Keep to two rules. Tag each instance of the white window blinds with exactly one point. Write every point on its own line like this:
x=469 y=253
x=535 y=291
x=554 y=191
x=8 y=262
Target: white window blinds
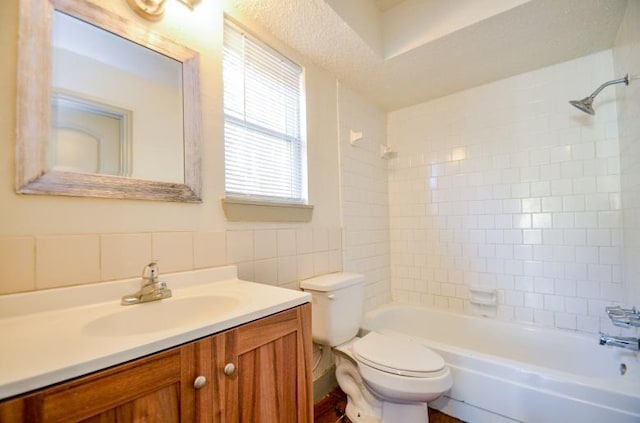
x=265 y=154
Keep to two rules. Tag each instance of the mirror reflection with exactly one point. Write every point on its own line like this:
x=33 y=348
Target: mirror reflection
x=116 y=106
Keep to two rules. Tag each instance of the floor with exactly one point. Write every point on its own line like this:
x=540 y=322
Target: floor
x=331 y=410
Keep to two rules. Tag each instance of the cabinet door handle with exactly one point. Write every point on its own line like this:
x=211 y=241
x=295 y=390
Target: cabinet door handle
x=229 y=369
x=200 y=382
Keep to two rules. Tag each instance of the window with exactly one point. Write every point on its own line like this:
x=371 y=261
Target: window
x=265 y=152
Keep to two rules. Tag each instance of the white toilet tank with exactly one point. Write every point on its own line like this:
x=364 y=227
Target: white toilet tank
x=337 y=306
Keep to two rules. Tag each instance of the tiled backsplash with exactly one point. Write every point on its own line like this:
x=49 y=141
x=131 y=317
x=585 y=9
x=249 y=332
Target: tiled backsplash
x=506 y=186
x=275 y=256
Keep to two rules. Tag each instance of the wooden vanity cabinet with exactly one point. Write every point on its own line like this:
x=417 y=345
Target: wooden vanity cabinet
x=259 y=372
x=271 y=380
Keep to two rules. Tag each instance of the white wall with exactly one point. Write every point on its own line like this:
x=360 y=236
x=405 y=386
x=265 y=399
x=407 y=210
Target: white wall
x=626 y=57
x=506 y=186
x=364 y=194
x=49 y=241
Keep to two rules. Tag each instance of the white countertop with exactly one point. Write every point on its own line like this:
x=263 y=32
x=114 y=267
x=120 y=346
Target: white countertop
x=47 y=336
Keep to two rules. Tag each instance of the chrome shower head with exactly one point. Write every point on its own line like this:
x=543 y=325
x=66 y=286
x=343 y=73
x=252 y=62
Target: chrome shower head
x=586 y=104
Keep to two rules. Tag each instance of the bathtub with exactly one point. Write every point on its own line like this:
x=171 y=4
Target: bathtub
x=504 y=372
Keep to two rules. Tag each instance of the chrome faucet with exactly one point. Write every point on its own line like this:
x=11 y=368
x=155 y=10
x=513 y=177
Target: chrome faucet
x=620 y=341
x=623 y=317
x=152 y=287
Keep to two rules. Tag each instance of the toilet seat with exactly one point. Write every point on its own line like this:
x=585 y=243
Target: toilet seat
x=398 y=355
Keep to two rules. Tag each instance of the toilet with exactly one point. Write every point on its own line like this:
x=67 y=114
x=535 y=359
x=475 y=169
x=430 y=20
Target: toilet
x=388 y=378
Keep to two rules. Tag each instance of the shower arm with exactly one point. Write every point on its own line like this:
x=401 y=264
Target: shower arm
x=624 y=79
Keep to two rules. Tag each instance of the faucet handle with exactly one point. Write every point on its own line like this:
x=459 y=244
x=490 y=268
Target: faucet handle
x=150 y=272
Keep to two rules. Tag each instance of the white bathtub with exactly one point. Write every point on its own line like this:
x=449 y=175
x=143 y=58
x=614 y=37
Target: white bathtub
x=505 y=372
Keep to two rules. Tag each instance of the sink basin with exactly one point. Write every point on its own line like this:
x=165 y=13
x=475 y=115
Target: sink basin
x=160 y=315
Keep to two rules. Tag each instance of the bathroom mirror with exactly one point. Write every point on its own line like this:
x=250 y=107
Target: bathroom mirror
x=106 y=107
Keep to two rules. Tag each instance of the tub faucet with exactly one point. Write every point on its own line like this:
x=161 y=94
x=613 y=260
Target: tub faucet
x=620 y=341
x=623 y=317
x=152 y=287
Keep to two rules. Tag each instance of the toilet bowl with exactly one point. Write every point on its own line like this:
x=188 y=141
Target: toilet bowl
x=388 y=378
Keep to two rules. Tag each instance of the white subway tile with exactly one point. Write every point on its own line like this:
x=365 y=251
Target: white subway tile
x=551 y=204
x=566 y=321
x=588 y=324
x=520 y=190
x=565 y=287
x=531 y=205
x=576 y=305
x=575 y=237
x=586 y=220
x=541 y=189
x=561 y=187
x=543 y=318
x=609 y=183
x=573 y=203
x=560 y=154
x=599 y=272
x=523 y=252
x=543 y=285
x=573 y=169
x=542 y=220
x=584 y=185
x=607 y=148
x=532 y=236
x=599 y=237
x=543 y=252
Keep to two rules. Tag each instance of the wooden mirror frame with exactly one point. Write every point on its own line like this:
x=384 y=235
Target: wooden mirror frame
x=34 y=107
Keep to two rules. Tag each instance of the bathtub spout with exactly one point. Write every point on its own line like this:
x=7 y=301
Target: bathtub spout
x=620 y=341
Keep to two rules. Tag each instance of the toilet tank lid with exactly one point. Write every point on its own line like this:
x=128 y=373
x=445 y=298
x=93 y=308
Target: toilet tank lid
x=331 y=281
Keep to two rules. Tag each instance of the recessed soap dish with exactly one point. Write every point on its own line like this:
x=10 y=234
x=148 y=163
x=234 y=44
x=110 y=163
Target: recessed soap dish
x=483 y=296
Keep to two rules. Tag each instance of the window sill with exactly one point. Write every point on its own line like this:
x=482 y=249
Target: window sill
x=237 y=210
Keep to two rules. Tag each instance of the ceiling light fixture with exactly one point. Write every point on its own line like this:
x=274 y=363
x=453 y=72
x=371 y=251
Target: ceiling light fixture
x=153 y=10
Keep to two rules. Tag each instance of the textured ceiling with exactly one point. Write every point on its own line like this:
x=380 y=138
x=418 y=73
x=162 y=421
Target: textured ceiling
x=529 y=36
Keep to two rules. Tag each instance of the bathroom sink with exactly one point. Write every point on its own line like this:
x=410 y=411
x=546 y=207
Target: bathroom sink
x=160 y=315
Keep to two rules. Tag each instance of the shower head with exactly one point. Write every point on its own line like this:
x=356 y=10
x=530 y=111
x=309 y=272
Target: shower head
x=586 y=104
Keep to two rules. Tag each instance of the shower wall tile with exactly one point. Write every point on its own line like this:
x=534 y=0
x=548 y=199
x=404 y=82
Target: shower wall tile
x=508 y=187
x=626 y=58
x=365 y=240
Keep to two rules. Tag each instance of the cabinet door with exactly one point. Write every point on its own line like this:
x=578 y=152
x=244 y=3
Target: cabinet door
x=271 y=381
x=158 y=388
